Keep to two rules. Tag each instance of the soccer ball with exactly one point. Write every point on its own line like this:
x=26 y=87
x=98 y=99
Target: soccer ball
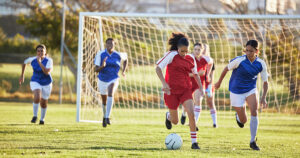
x=173 y=141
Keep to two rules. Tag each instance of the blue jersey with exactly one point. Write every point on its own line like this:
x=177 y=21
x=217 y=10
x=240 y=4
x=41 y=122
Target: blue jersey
x=244 y=74
x=38 y=74
x=113 y=61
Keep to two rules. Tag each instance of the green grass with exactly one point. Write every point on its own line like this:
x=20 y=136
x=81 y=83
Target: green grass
x=139 y=133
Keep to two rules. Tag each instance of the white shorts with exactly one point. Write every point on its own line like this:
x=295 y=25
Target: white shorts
x=238 y=100
x=46 y=90
x=103 y=86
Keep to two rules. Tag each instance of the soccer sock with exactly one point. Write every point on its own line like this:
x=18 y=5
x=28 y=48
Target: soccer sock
x=104 y=110
x=109 y=105
x=213 y=114
x=237 y=117
x=35 y=109
x=253 y=127
x=168 y=116
x=43 y=113
x=183 y=111
x=194 y=137
x=197 y=112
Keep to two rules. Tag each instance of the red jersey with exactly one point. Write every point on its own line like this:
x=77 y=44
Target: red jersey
x=178 y=69
x=202 y=64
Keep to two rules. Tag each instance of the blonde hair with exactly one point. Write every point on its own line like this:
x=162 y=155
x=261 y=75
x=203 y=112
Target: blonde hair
x=207 y=50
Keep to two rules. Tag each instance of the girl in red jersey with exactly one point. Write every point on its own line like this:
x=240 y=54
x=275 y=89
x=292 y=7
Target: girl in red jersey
x=178 y=87
x=204 y=62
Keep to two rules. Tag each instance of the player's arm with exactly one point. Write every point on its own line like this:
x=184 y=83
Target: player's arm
x=21 y=79
x=45 y=70
x=125 y=62
x=223 y=74
x=98 y=68
x=166 y=87
x=264 y=77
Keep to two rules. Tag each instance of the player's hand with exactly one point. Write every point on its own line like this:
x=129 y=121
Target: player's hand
x=263 y=103
x=104 y=62
x=166 y=89
x=21 y=80
x=208 y=90
x=123 y=74
x=39 y=59
x=201 y=73
x=217 y=85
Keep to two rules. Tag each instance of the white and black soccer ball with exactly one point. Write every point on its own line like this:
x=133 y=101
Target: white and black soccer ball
x=173 y=141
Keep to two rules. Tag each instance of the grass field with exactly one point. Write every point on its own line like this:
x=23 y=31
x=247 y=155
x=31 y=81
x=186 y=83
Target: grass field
x=139 y=133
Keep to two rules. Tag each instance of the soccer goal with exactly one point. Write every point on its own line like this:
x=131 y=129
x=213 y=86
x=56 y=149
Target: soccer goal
x=144 y=37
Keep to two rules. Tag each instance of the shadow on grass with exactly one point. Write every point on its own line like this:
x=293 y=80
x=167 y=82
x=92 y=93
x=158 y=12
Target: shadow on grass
x=123 y=148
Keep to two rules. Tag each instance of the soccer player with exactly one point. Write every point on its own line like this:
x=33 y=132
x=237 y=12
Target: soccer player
x=242 y=87
x=204 y=66
x=41 y=81
x=108 y=63
x=178 y=88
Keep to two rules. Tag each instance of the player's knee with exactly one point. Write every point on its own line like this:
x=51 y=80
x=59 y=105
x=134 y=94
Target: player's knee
x=254 y=113
x=175 y=121
x=243 y=120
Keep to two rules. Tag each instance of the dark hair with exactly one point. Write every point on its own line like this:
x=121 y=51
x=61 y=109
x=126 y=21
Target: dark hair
x=252 y=43
x=40 y=46
x=178 y=39
x=109 y=39
x=197 y=44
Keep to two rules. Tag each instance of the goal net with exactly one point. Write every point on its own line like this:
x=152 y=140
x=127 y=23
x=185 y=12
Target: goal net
x=144 y=37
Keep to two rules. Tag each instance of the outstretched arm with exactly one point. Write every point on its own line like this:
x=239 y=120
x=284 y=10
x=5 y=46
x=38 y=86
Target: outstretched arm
x=166 y=87
x=217 y=85
x=21 y=79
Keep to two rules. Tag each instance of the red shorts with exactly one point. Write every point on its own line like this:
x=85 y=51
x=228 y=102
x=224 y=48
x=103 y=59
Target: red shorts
x=173 y=100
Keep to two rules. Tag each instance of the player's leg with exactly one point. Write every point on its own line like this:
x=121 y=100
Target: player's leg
x=172 y=102
x=237 y=101
x=197 y=103
x=183 y=116
x=102 y=86
x=188 y=105
x=110 y=99
x=252 y=102
x=36 y=90
x=213 y=112
x=46 y=92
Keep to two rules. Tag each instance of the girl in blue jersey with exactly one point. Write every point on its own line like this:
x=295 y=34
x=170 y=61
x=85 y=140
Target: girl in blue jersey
x=108 y=64
x=41 y=81
x=242 y=87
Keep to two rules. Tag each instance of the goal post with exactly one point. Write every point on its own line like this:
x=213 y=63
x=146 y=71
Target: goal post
x=144 y=38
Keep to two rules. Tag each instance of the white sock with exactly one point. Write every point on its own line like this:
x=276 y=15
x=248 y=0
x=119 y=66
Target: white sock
x=109 y=105
x=43 y=113
x=237 y=117
x=213 y=114
x=194 y=137
x=253 y=127
x=183 y=111
x=35 y=109
x=104 y=110
x=168 y=116
x=197 y=112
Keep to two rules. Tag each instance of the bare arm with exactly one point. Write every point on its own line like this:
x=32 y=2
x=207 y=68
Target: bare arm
x=166 y=87
x=125 y=64
x=263 y=101
x=44 y=69
x=198 y=80
x=217 y=85
x=21 y=79
x=99 y=68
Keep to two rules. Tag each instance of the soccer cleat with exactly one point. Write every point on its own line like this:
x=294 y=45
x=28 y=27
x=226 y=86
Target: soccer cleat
x=195 y=146
x=240 y=124
x=42 y=122
x=107 y=121
x=215 y=126
x=254 y=146
x=197 y=128
x=33 y=120
x=104 y=122
x=182 y=120
x=168 y=122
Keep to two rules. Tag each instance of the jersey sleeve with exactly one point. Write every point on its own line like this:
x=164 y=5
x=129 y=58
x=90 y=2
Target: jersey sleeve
x=123 y=56
x=234 y=63
x=29 y=60
x=194 y=69
x=264 y=73
x=208 y=59
x=49 y=64
x=167 y=59
x=97 y=60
